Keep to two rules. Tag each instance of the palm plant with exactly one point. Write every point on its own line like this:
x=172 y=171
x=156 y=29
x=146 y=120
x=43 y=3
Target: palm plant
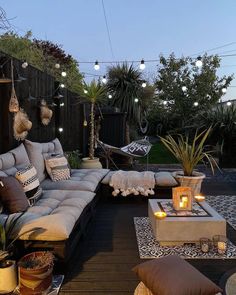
x=124 y=84
x=93 y=93
x=190 y=153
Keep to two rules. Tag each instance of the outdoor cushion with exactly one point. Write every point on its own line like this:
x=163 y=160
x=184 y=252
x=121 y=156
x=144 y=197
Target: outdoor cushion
x=57 y=167
x=56 y=213
x=81 y=179
x=13 y=160
x=164 y=178
x=173 y=275
x=37 y=152
x=12 y=196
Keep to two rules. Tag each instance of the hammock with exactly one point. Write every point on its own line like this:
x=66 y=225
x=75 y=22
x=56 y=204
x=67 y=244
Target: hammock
x=136 y=149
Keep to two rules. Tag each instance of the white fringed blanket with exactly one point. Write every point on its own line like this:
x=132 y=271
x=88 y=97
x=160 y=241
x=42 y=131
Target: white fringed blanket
x=132 y=182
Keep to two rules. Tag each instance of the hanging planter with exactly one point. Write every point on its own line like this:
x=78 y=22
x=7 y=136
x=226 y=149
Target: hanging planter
x=45 y=113
x=13 y=103
x=21 y=125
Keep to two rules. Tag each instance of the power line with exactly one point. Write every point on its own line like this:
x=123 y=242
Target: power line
x=108 y=31
x=215 y=48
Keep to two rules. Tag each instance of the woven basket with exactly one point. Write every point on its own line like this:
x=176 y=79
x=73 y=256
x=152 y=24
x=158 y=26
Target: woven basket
x=141 y=289
x=195 y=181
x=45 y=113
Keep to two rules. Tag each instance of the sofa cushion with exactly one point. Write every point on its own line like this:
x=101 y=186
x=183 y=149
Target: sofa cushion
x=37 y=152
x=164 y=178
x=81 y=179
x=55 y=213
x=57 y=167
x=12 y=196
x=173 y=275
x=13 y=160
x=30 y=183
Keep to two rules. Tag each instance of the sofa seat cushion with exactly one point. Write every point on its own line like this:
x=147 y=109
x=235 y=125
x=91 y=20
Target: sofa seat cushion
x=56 y=213
x=165 y=178
x=81 y=179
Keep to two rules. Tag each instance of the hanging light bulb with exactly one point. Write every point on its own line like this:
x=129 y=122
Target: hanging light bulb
x=195 y=103
x=85 y=123
x=60 y=129
x=24 y=64
x=136 y=100
x=57 y=66
x=62 y=104
x=142 y=65
x=96 y=66
x=224 y=90
x=198 y=62
x=85 y=91
x=63 y=74
x=62 y=85
x=228 y=103
x=184 y=88
x=110 y=96
x=165 y=102
x=104 y=79
x=144 y=84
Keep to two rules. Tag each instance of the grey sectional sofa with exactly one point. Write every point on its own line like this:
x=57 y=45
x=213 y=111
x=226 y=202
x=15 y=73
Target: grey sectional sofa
x=65 y=207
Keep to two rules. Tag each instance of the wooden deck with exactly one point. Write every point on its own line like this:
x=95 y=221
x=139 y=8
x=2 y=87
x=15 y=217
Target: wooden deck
x=103 y=261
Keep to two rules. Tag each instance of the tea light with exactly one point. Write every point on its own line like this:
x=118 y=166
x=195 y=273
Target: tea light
x=205 y=245
x=160 y=214
x=199 y=198
x=221 y=246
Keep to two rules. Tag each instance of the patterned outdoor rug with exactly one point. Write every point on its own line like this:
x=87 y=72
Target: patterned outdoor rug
x=150 y=248
x=225 y=206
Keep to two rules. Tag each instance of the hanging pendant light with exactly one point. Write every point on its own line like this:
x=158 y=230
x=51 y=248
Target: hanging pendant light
x=13 y=103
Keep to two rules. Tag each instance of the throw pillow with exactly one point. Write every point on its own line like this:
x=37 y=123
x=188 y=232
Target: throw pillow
x=29 y=180
x=173 y=275
x=57 y=167
x=12 y=196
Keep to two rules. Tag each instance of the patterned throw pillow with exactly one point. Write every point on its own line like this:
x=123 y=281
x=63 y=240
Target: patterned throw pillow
x=29 y=180
x=57 y=167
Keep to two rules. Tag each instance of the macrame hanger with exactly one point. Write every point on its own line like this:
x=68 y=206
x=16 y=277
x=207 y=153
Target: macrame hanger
x=13 y=103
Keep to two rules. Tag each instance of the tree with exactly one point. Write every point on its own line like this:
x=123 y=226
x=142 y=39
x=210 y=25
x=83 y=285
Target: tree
x=186 y=89
x=125 y=86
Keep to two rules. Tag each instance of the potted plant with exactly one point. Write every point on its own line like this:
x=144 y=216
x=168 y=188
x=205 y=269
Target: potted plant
x=189 y=153
x=8 y=273
x=93 y=93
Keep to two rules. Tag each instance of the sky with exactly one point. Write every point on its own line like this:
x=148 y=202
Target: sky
x=138 y=29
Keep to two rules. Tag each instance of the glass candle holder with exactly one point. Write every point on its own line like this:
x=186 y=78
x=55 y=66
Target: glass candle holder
x=205 y=245
x=160 y=214
x=199 y=198
x=220 y=243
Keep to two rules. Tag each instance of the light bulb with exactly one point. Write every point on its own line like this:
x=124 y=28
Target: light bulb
x=198 y=62
x=224 y=90
x=184 y=88
x=144 y=84
x=136 y=100
x=63 y=74
x=104 y=80
x=110 y=96
x=229 y=103
x=57 y=66
x=85 y=91
x=62 y=104
x=142 y=65
x=165 y=102
x=96 y=66
x=60 y=129
x=62 y=85
x=195 y=103
x=85 y=123
x=24 y=65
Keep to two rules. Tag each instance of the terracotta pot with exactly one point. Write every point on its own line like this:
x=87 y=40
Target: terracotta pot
x=34 y=281
x=8 y=277
x=195 y=181
x=87 y=163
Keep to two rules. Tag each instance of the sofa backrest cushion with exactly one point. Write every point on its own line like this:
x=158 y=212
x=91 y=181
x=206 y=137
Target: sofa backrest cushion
x=37 y=152
x=13 y=160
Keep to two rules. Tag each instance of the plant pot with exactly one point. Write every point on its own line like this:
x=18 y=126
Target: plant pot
x=195 y=181
x=8 y=277
x=35 y=280
x=88 y=163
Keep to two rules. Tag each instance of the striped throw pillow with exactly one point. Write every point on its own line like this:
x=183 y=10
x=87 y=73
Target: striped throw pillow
x=57 y=167
x=29 y=180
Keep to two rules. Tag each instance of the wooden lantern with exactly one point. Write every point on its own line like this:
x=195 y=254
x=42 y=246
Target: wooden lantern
x=182 y=198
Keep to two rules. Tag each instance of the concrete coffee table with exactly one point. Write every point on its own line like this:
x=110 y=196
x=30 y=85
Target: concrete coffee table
x=176 y=230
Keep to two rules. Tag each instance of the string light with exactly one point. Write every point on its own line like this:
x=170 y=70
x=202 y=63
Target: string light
x=60 y=129
x=85 y=123
x=62 y=104
x=195 y=103
x=96 y=66
x=184 y=88
x=144 y=84
x=63 y=74
x=24 y=64
x=85 y=91
x=224 y=90
x=229 y=103
x=165 y=102
x=62 y=85
x=110 y=96
x=57 y=66
x=142 y=65
x=104 y=80
x=198 y=62
x=136 y=100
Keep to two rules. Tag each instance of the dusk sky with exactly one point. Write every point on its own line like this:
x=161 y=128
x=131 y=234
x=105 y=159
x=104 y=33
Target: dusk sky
x=138 y=29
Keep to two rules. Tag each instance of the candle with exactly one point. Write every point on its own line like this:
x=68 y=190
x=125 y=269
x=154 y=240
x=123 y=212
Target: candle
x=199 y=198
x=221 y=247
x=160 y=214
x=205 y=247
